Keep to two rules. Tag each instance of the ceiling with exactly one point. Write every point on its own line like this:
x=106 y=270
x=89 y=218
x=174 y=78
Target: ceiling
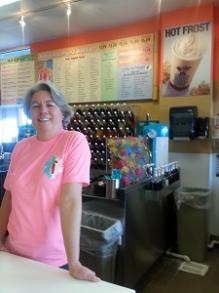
x=46 y=19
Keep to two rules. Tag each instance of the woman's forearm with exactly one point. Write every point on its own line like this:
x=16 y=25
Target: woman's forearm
x=70 y=211
x=5 y=211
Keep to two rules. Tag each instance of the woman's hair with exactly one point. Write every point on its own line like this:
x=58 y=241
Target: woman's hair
x=56 y=96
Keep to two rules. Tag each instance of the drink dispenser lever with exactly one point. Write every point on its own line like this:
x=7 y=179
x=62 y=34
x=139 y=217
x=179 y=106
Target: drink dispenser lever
x=147 y=118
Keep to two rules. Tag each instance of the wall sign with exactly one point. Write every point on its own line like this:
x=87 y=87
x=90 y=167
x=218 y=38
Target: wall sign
x=17 y=76
x=115 y=70
x=187 y=60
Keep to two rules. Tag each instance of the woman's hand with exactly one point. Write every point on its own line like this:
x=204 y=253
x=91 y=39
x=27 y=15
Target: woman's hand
x=81 y=272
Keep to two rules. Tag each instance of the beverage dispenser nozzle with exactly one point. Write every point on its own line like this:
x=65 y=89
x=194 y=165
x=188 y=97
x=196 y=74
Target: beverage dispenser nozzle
x=147 y=118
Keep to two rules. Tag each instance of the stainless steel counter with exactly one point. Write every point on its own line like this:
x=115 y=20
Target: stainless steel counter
x=147 y=232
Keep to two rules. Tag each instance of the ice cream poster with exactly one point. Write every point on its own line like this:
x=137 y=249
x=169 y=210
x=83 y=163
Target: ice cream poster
x=187 y=60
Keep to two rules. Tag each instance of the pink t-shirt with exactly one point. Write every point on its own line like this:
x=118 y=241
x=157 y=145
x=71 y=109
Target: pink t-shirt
x=36 y=175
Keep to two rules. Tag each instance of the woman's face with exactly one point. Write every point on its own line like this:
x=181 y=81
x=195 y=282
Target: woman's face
x=46 y=115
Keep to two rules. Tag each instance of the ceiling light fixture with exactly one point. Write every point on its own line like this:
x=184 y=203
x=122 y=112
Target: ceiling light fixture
x=38 y=10
x=22 y=22
x=6 y=2
x=68 y=9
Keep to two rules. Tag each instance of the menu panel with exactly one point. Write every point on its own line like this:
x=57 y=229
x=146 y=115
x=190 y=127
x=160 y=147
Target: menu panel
x=115 y=70
x=17 y=76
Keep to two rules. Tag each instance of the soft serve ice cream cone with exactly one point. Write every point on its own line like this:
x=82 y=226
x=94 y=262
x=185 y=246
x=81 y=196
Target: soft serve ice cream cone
x=186 y=55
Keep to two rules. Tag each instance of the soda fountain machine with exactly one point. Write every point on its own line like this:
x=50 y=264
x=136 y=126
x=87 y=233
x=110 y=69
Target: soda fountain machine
x=158 y=139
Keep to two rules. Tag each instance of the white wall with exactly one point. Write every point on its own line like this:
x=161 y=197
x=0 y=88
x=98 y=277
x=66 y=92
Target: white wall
x=199 y=170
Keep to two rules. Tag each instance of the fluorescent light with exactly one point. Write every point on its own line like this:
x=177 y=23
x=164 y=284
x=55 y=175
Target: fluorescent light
x=22 y=22
x=6 y=2
x=68 y=9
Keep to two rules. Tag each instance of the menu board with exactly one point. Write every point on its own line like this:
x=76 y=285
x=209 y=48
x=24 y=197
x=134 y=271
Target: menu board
x=17 y=76
x=115 y=70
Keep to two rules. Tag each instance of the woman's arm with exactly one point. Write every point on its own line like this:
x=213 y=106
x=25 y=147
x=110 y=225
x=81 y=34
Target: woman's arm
x=70 y=211
x=5 y=211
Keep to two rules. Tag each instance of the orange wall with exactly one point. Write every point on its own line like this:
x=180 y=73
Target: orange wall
x=159 y=110
x=156 y=24
x=142 y=27
x=216 y=45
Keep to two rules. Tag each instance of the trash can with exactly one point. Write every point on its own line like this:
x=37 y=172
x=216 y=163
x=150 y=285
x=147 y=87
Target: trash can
x=100 y=236
x=192 y=222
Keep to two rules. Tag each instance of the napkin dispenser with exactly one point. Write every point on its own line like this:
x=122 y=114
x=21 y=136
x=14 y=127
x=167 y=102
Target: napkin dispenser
x=183 y=122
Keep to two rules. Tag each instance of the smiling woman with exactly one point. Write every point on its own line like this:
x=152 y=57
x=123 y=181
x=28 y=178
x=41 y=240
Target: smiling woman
x=46 y=115
x=53 y=96
x=41 y=208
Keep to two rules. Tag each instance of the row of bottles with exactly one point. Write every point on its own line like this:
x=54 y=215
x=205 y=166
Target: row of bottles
x=99 y=122
x=164 y=176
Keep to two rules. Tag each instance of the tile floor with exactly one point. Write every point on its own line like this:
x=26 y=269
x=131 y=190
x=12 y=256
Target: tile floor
x=165 y=277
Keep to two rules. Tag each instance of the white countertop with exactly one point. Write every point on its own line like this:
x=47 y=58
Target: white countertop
x=22 y=275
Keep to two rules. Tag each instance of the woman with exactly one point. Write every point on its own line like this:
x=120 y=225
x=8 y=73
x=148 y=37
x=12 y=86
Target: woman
x=41 y=209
